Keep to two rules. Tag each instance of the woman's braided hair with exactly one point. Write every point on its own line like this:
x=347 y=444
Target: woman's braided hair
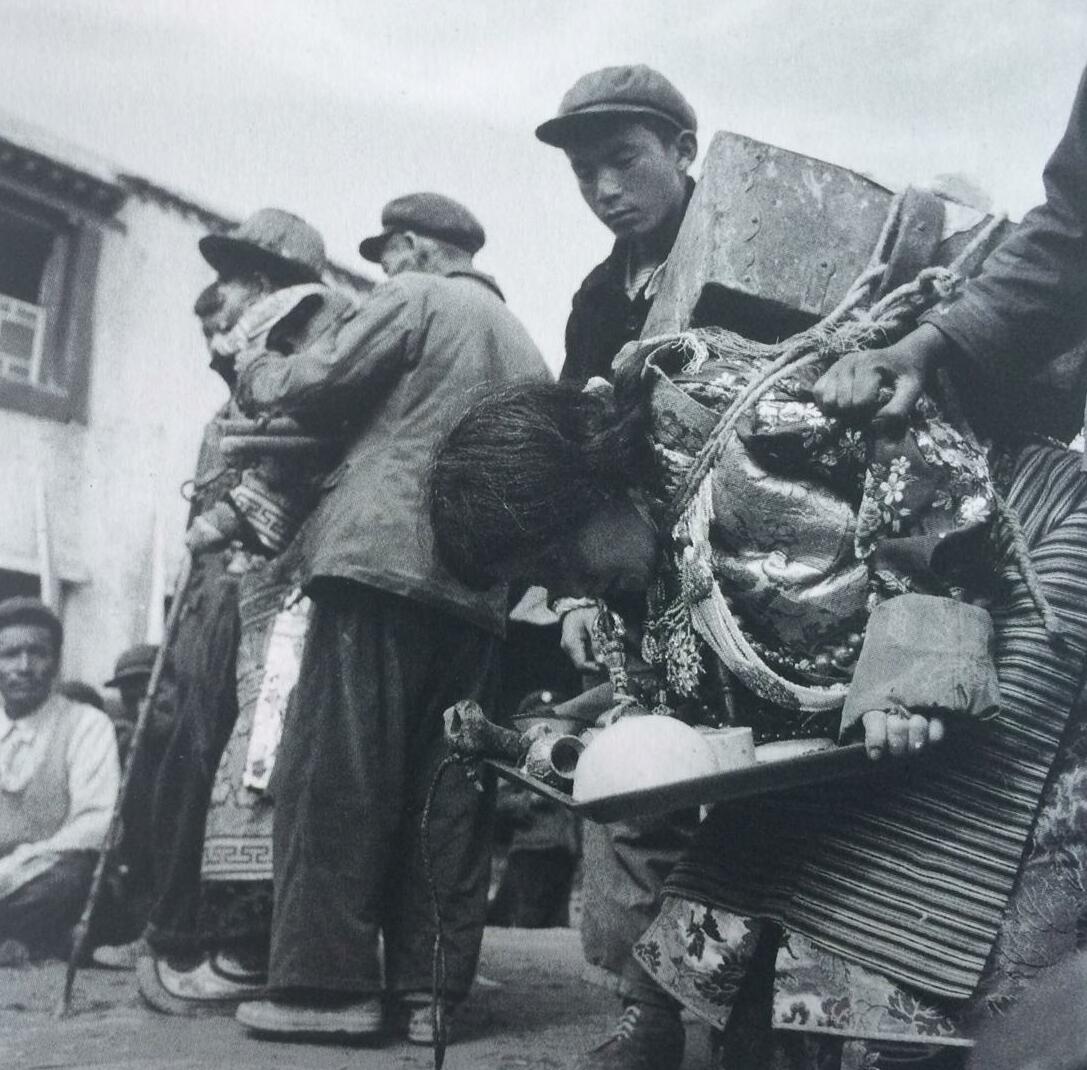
x=523 y=469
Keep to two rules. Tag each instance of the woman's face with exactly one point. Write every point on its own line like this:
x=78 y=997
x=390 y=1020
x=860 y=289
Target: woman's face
x=615 y=550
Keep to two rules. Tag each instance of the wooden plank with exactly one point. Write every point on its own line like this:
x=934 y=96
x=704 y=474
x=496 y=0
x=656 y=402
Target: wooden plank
x=761 y=779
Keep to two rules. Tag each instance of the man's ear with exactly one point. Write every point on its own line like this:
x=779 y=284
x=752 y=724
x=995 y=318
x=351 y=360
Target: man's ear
x=686 y=149
x=420 y=250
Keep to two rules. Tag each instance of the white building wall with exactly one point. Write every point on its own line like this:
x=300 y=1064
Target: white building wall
x=150 y=394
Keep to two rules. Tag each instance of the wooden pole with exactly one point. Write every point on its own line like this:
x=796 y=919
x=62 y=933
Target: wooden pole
x=157 y=598
x=46 y=572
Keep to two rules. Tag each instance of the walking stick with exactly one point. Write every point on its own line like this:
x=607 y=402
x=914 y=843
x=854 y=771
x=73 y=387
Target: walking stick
x=105 y=857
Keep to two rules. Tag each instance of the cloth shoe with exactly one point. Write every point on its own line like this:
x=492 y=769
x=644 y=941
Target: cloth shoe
x=420 y=1019
x=14 y=954
x=324 y=1015
x=214 y=985
x=117 y=956
x=647 y=1037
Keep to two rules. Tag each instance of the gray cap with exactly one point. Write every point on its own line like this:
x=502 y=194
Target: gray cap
x=430 y=214
x=271 y=241
x=135 y=663
x=24 y=610
x=630 y=91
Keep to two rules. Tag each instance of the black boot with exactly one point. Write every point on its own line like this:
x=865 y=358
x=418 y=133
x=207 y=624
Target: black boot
x=649 y=1036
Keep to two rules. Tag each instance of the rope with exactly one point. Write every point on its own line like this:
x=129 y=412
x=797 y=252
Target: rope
x=816 y=344
x=1020 y=553
x=981 y=238
x=847 y=328
x=437 y=992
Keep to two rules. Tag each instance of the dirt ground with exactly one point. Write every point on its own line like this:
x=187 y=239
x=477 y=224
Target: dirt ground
x=533 y=1009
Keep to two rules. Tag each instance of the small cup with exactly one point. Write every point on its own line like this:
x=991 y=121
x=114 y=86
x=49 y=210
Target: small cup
x=734 y=748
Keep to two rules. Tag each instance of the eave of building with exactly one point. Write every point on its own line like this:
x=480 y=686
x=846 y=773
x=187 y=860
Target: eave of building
x=31 y=167
x=69 y=177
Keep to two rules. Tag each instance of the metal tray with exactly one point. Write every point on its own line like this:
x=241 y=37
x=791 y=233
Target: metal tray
x=759 y=779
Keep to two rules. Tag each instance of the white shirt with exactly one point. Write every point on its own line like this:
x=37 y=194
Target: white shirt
x=92 y=772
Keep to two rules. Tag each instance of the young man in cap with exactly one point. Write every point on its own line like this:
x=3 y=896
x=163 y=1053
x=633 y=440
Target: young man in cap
x=393 y=641
x=207 y=942
x=630 y=137
x=59 y=777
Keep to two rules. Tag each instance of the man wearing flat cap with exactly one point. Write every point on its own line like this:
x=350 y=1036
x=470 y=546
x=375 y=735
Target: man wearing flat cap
x=630 y=137
x=59 y=776
x=130 y=676
x=393 y=641
x=207 y=941
x=447 y=228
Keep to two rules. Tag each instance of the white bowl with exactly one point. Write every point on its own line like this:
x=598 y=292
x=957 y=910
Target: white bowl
x=642 y=752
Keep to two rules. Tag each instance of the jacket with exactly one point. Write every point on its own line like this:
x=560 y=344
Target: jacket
x=1029 y=305
x=394 y=376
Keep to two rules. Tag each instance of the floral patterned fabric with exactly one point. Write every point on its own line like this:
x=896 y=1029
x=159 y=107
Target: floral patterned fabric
x=704 y=956
x=813 y=522
x=238 y=831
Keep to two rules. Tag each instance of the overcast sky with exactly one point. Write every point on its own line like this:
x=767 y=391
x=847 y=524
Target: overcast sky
x=332 y=107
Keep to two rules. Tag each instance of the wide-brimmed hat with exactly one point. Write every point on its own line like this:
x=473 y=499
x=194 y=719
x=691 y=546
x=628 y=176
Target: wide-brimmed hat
x=430 y=214
x=135 y=663
x=620 y=91
x=272 y=242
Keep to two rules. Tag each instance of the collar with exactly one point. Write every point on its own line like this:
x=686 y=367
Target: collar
x=28 y=727
x=613 y=271
x=479 y=276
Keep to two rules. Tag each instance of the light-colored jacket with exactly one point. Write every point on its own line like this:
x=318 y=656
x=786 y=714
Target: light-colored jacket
x=396 y=374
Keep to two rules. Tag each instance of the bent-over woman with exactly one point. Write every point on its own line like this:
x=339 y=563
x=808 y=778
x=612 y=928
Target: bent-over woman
x=809 y=578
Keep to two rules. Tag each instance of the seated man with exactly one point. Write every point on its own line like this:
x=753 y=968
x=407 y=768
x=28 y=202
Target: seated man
x=59 y=777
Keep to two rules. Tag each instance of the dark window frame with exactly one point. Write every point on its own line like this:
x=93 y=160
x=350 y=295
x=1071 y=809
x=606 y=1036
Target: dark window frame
x=68 y=297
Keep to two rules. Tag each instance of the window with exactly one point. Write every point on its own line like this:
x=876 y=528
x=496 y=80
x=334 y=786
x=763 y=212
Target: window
x=18 y=583
x=47 y=268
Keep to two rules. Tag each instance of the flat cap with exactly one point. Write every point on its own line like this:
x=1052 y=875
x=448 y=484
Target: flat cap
x=133 y=664
x=271 y=241
x=631 y=90
x=430 y=214
x=24 y=610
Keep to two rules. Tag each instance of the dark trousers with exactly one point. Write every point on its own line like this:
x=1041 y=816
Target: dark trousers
x=535 y=889
x=204 y=658
x=624 y=867
x=42 y=913
x=363 y=738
